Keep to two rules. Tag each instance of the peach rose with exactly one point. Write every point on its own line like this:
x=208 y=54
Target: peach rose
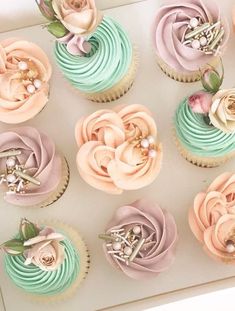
x=222 y=111
x=80 y=17
x=24 y=75
x=118 y=150
x=46 y=252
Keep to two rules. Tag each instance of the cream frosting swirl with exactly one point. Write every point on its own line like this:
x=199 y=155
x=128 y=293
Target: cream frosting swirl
x=212 y=217
x=40 y=160
x=24 y=75
x=118 y=149
x=170 y=25
x=159 y=230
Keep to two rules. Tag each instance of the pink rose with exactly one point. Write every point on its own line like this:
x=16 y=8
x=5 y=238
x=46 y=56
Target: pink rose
x=25 y=72
x=80 y=17
x=46 y=252
x=200 y=102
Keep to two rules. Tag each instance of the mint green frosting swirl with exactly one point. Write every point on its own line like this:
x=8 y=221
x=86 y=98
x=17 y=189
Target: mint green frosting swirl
x=106 y=64
x=199 y=137
x=36 y=281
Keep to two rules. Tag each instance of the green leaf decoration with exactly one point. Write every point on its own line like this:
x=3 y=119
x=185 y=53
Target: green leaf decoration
x=13 y=247
x=28 y=230
x=57 y=29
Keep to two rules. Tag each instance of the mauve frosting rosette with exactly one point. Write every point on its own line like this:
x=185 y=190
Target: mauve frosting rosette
x=118 y=149
x=212 y=218
x=25 y=72
x=32 y=172
x=174 y=46
x=140 y=239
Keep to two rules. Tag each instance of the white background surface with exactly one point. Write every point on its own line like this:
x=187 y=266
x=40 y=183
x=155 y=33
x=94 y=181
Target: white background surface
x=88 y=209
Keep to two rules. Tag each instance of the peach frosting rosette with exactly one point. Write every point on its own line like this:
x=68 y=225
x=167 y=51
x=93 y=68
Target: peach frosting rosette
x=140 y=239
x=25 y=72
x=118 y=149
x=212 y=218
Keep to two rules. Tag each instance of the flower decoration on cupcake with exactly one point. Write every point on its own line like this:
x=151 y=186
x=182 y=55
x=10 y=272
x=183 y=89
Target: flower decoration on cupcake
x=25 y=72
x=118 y=149
x=40 y=247
x=140 y=239
x=212 y=218
x=218 y=105
x=71 y=22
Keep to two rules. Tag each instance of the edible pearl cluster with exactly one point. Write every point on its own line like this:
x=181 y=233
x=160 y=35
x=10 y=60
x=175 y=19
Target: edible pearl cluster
x=147 y=145
x=205 y=37
x=124 y=245
x=230 y=246
x=30 y=75
x=15 y=176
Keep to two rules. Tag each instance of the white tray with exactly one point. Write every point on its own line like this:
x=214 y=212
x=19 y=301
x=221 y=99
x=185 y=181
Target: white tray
x=89 y=210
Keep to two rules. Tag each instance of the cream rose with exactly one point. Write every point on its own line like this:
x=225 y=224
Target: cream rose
x=80 y=17
x=118 y=150
x=222 y=111
x=46 y=251
x=24 y=75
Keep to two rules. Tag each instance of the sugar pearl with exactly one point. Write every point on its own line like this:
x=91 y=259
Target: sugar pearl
x=194 y=22
x=116 y=246
x=22 y=65
x=230 y=247
x=136 y=230
x=127 y=250
x=152 y=153
x=144 y=143
x=196 y=44
x=151 y=139
x=203 y=41
x=10 y=162
x=37 y=83
x=31 y=88
x=11 y=178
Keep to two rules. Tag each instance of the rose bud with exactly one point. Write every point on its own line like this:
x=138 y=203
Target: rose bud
x=200 y=102
x=13 y=247
x=57 y=29
x=45 y=6
x=28 y=230
x=212 y=80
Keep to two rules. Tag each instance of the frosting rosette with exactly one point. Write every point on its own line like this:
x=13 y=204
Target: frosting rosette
x=187 y=34
x=140 y=239
x=80 y=17
x=30 y=166
x=212 y=218
x=222 y=111
x=25 y=72
x=118 y=149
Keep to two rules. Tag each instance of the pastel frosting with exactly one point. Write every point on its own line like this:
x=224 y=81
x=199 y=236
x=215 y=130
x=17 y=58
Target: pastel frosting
x=198 y=136
x=108 y=157
x=159 y=229
x=170 y=24
x=105 y=65
x=40 y=159
x=36 y=281
x=17 y=104
x=212 y=217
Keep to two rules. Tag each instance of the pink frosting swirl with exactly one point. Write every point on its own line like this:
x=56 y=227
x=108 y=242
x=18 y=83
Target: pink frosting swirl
x=110 y=156
x=159 y=230
x=212 y=217
x=170 y=25
x=24 y=75
x=40 y=160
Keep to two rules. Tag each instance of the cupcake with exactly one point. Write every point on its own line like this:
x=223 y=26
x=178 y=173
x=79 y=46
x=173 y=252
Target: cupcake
x=25 y=72
x=118 y=149
x=212 y=218
x=188 y=35
x=32 y=172
x=48 y=262
x=140 y=240
x=205 y=123
x=93 y=51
